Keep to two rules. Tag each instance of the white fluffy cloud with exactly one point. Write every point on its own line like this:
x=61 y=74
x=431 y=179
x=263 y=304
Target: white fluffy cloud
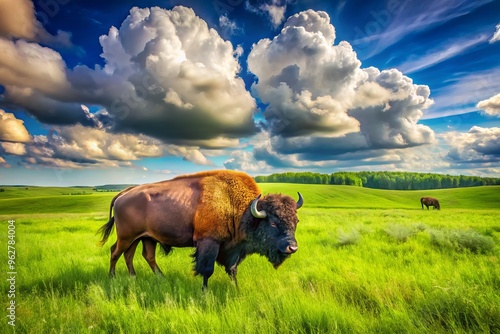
x=12 y=129
x=181 y=78
x=322 y=104
x=306 y=81
x=78 y=146
x=13 y=136
x=478 y=145
x=496 y=34
x=81 y=145
x=166 y=75
x=26 y=64
x=491 y=106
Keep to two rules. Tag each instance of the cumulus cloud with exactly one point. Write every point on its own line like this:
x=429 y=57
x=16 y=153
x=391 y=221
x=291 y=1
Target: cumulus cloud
x=491 y=106
x=496 y=35
x=18 y=20
x=273 y=9
x=82 y=145
x=12 y=129
x=393 y=124
x=35 y=79
x=48 y=110
x=166 y=75
x=13 y=148
x=478 y=145
x=321 y=103
x=264 y=160
x=26 y=64
x=181 y=79
x=13 y=136
x=78 y=146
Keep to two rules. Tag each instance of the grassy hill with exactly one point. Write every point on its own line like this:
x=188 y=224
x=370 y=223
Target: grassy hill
x=326 y=196
x=395 y=269
x=31 y=191
x=18 y=200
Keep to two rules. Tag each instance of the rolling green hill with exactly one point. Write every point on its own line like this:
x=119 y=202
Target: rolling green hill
x=332 y=196
x=369 y=261
x=57 y=200
x=31 y=191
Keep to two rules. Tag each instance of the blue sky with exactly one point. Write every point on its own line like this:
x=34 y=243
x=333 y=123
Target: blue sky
x=96 y=92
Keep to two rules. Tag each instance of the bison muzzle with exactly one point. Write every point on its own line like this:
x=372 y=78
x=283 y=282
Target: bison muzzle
x=220 y=213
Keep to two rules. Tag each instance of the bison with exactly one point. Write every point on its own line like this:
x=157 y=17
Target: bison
x=220 y=213
x=430 y=201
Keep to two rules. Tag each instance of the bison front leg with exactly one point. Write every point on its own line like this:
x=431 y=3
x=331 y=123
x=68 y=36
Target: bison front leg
x=148 y=252
x=231 y=266
x=204 y=257
x=232 y=271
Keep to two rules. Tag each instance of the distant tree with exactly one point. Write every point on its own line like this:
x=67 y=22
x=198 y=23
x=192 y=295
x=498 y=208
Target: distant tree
x=381 y=180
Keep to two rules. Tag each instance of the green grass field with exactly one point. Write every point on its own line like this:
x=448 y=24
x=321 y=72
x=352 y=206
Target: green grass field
x=369 y=261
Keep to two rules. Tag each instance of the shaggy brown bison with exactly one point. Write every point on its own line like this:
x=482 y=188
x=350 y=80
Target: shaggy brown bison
x=430 y=201
x=220 y=213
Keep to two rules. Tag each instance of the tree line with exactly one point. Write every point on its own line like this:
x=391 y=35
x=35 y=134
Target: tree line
x=382 y=180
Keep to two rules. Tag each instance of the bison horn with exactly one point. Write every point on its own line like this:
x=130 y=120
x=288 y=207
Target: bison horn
x=255 y=212
x=300 y=202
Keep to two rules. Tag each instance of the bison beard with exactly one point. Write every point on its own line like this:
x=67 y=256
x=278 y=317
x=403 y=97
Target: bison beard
x=218 y=212
x=272 y=237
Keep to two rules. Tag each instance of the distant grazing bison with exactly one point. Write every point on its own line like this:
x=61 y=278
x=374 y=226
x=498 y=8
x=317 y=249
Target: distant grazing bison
x=430 y=201
x=220 y=213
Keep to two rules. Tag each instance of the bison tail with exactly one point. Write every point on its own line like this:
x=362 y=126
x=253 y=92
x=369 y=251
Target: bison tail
x=106 y=230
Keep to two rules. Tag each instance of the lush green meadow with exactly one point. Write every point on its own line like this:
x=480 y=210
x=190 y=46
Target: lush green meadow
x=369 y=261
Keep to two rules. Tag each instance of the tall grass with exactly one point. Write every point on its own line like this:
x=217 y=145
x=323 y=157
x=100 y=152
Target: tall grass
x=463 y=240
x=357 y=271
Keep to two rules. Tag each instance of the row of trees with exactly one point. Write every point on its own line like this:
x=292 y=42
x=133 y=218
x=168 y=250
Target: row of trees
x=383 y=180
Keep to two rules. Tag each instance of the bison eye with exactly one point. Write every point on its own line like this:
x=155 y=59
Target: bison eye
x=273 y=224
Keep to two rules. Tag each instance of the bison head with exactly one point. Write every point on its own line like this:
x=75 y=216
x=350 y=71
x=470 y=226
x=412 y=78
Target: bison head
x=271 y=226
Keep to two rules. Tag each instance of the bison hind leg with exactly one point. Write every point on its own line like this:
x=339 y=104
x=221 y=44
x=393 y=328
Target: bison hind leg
x=129 y=257
x=116 y=251
x=204 y=258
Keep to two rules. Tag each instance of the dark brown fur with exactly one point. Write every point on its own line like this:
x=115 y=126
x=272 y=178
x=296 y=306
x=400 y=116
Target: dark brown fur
x=208 y=210
x=430 y=201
